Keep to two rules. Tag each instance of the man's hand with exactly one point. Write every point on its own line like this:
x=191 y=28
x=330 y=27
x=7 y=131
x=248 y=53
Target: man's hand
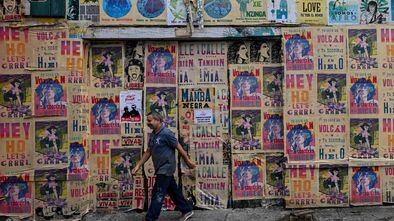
x=135 y=169
x=190 y=164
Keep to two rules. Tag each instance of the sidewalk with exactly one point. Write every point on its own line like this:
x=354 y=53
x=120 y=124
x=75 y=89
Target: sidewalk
x=383 y=213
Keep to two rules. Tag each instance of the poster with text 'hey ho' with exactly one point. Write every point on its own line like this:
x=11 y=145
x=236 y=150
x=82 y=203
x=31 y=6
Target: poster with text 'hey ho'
x=14 y=47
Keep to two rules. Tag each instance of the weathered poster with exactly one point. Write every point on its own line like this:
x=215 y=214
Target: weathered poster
x=197 y=104
x=72 y=58
x=272 y=97
x=16 y=192
x=100 y=154
x=50 y=194
x=281 y=11
x=177 y=12
x=273 y=132
x=161 y=62
x=50 y=94
x=222 y=104
x=116 y=12
x=364 y=94
x=300 y=139
x=150 y=12
x=89 y=10
x=246 y=86
x=334 y=185
x=330 y=50
x=387 y=137
x=78 y=168
x=107 y=195
x=275 y=171
x=343 y=13
x=131 y=106
x=248 y=176
x=16 y=139
x=104 y=113
x=332 y=137
x=364 y=138
x=122 y=163
x=387 y=183
x=72 y=7
x=363 y=48
x=238 y=52
x=264 y=51
x=16 y=99
x=11 y=10
x=79 y=199
x=134 y=65
x=250 y=11
x=162 y=100
x=303 y=184
x=202 y=63
x=312 y=11
x=15 y=54
x=300 y=94
x=365 y=186
x=246 y=131
x=106 y=66
x=386 y=91
x=298 y=51
x=44 y=46
x=79 y=109
x=218 y=11
x=386 y=82
x=139 y=193
x=52 y=148
x=374 y=11
x=331 y=94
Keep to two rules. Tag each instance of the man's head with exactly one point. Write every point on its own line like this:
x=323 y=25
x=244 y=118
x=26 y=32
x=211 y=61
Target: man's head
x=154 y=120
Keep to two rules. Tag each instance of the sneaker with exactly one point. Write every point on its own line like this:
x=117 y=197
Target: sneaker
x=186 y=216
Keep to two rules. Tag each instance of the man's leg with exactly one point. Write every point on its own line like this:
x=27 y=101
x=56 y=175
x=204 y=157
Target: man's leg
x=159 y=193
x=177 y=197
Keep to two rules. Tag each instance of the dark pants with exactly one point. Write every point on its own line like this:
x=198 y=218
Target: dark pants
x=163 y=185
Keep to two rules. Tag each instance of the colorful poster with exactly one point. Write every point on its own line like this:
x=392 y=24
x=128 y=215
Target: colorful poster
x=300 y=95
x=218 y=11
x=334 y=185
x=330 y=50
x=72 y=58
x=15 y=99
x=79 y=198
x=193 y=99
x=107 y=195
x=387 y=137
x=202 y=63
x=273 y=131
x=364 y=138
x=250 y=11
x=16 y=192
x=78 y=166
x=51 y=144
x=78 y=121
x=246 y=131
x=387 y=60
x=161 y=62
x=246 y=86
x=281 y=11
x=162 y=100
x=134 y=65
x=364 y=94
x=275 y=187
x=89 y=11
x=72 y=7
x=177 y=12
x=131 y=106
x=138 y=194
x=332 y=138
x=14 y=44
x=116 y=12
x=300 y=139
x=298 y=51
x=312 y=11
x=238 y=52
x=106 y=66
x=264 y=51
x=11 y=10
x=343 y=13
x=387 y=184
x=273 y=88
x=150 y=12
x=44 y=47
x=50 y=193
x=365 y=186
x=16 y=140
x=104 y=113
x=386 y=91
x=363 y=48
x=374 y=11
x=331 y=94
x=248 y=176
x=303 y=184
x=50 y=94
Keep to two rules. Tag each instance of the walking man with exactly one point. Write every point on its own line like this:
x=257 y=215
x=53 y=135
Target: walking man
x=161 y=146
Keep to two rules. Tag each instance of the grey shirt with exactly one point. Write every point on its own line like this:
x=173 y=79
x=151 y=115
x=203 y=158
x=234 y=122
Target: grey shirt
x=162 y=146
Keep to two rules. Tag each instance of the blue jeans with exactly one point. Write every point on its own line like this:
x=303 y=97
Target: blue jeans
x=163 y=185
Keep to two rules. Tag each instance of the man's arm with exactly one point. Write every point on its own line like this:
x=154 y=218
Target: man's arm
x=144 y=158
x=186 y=158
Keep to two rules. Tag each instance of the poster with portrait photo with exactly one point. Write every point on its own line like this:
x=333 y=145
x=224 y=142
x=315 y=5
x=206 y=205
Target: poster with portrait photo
x=246 y=85
x=238 y=52
x=16 y=97
x=50 y=94
x=106 y=66
x=131 y=106
x=364 y=138
x=264 y=51
x=298 y=49
x=334 y=185
x=362 y=48
x=134 y=65
x=275 y=174
x=104 y=113
x=300 y=139
x=365 y=185
x=331 y=94
x=161 y=63
x=10 y=10
x=51 y=144
x=246 y=131
x=374 y=11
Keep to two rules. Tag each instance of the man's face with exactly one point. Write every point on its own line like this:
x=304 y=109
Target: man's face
x=152 y=123
x=9 y=5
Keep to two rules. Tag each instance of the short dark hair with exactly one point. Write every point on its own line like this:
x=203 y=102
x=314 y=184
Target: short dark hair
x=155 y=116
